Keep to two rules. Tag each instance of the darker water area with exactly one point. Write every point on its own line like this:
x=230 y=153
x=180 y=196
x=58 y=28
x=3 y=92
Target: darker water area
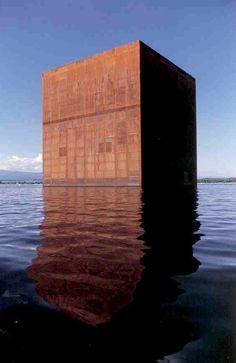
x=115 y=275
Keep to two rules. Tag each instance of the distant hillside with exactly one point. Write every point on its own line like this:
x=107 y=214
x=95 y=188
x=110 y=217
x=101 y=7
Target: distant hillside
x=217 y=180
x=19 y=175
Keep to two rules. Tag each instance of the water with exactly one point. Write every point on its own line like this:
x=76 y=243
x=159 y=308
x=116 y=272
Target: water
x=106 y=274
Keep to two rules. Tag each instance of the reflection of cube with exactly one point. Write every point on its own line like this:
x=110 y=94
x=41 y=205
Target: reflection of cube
x=129 y=106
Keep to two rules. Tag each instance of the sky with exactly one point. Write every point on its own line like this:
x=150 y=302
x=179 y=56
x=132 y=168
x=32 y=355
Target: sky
x=197 y=35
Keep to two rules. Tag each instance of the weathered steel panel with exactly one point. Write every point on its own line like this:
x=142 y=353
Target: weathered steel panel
x=126 y=116
x=91 y=120
x=168 y=122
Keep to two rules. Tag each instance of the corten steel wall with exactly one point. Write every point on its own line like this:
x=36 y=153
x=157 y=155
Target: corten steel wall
x=126 y=116
x=91 y=120
x=168 y=123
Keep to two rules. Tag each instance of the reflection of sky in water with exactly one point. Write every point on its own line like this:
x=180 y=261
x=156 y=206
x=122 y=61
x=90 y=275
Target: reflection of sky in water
x=210 y=293
x=21 y=212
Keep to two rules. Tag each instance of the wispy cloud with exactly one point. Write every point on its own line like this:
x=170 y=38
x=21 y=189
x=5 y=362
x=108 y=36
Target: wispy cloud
x=19 y=163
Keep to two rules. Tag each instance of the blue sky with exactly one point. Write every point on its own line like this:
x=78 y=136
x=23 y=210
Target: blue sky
x=197 y=35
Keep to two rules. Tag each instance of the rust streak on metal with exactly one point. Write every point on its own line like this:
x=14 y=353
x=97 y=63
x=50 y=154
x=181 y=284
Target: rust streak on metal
x=78 y=117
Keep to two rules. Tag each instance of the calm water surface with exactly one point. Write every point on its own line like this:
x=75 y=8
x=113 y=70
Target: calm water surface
x=105 y=274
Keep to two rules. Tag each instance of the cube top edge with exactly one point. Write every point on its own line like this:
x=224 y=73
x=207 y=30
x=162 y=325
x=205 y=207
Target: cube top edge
x=111 y=51
x=138 y=44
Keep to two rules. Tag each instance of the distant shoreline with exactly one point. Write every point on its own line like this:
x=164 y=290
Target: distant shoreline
x=199 y=181
x=4 y=182
x=216 y=180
